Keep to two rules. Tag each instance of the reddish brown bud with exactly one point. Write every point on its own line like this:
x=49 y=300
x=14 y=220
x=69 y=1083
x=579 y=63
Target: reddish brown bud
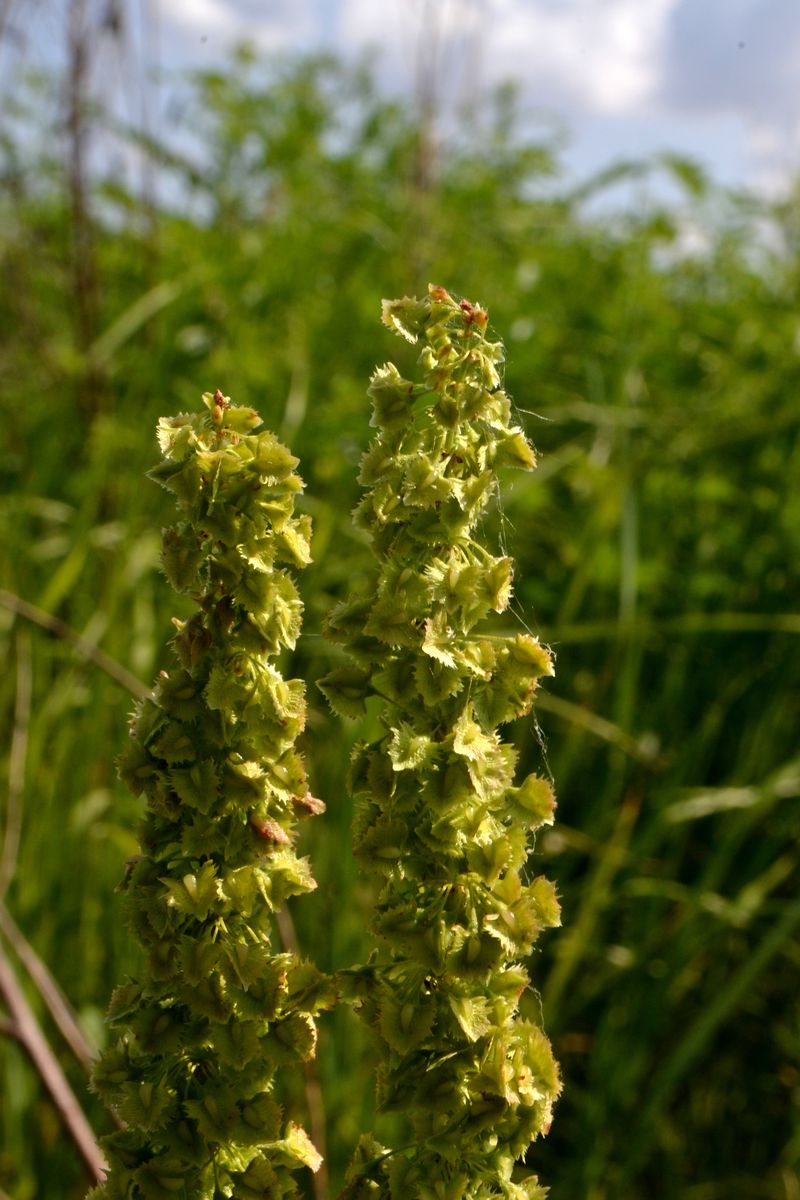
x=270 y=831
x=308 y=805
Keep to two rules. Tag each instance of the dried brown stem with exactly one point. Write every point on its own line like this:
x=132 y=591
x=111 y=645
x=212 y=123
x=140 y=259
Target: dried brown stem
x=313 y=1090
x=31 y=1038
x=84 y=269
x=80 y=644
x=57 y=1004
x=16 y=764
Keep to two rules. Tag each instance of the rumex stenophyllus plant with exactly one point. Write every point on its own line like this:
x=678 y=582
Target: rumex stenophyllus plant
x=439 y=817
x=217 y=1009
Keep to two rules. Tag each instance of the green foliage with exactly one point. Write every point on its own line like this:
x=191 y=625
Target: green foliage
x=438 y=815
x=652 y=333
x=216 y=1011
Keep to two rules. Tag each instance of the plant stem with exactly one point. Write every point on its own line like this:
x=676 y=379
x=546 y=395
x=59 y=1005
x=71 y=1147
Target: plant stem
x=33 y=1041
x=57 y=1004
x=16 y=764
x=83 y=647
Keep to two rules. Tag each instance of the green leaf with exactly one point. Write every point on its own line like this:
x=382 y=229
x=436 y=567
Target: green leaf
x=285 y=699
x=528 y=1189
x=286 y=776
x=230 y=684
x=198 y=785
x=177 y=693
x=182 y=479
x=272 y=460
x=175 y=745
x=159 y=1028
x=242 y=888
x=358 y=1185
x=145 y=1105
x=518 y=666
x=216 y=1112
x=249 y=962
x=260 y=1120
x=406 y=1025
x=406 y=317
x=238 y=1043
x=129 y=1146
x=293 y=542
x=542 y=894
x=260 y=1182
x=528 y=651
x=409 y=750
x=274 y=607
x=164 y=1178
x=438 y=640
x=515 y=451
x=240 y=419
x=177 y=435
x=288 y=876
x=243 y=783
x=473 y=1015
x=291 y=1040
x=473 y=497
x=124 y=1001
x=112 y=1069
x=297 y=1149
x=381 y=842
x=499 y=579
x=195 y=894
x=137 y=768
x=436 y=682
x=425 y=483
x=181 y=557
x=392 y=620
x=537 y=1054
x=469 y=739
x=224 y=525
x=392 y=397
x=198 y=958
x=533 y=803
x=346 y=689
x=308 y=989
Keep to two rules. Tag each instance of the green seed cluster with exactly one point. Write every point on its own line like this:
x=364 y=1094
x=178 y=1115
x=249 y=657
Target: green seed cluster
x=439 y=818
x=217 y=1011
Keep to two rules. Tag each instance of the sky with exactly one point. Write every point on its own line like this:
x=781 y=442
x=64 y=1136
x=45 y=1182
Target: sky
x=715 y=80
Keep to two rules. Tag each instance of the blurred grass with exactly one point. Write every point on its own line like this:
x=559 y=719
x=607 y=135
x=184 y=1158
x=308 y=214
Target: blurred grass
x=656 y=550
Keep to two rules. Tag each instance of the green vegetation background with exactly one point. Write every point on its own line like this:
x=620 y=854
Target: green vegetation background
x=657 y=550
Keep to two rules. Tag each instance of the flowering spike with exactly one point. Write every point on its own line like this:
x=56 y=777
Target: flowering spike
x=217 y=1011
x=439 y=818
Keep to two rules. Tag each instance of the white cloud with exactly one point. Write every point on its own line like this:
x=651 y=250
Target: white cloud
x=600 y=54
x=268 y=24
x=203 y=17
x=628 y=76
x=773 y=153
x=604 y=56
